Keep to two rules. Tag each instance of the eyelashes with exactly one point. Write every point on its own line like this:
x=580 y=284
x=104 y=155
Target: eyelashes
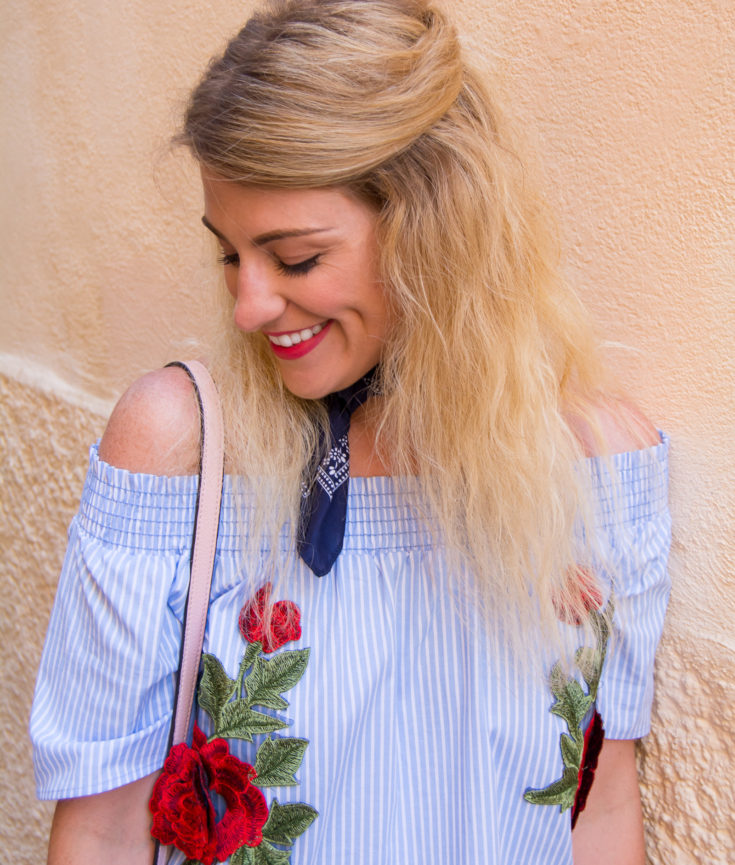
x=300 y=268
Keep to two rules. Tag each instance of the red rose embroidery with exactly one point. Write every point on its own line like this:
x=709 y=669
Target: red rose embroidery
x=271 y=625
x=581 y=583
x=594 y=736
x=182 y=809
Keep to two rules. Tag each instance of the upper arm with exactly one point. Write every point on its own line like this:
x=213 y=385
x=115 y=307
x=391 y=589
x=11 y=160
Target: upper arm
x=611 y=426
x=154 y=427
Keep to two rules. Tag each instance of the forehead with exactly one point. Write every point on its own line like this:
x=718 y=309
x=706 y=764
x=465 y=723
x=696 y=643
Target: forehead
x=258 y=208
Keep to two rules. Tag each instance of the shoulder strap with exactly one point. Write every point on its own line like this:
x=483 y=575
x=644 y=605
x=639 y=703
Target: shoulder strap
x=204 y=542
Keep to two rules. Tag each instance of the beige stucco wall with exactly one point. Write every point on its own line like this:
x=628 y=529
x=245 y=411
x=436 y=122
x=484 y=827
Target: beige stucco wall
x=104 y=272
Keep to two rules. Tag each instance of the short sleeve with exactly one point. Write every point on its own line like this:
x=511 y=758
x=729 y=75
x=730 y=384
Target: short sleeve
x=634 y=518
x=104 y=692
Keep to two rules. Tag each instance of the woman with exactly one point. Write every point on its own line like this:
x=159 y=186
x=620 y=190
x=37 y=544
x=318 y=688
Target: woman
x=396 y=323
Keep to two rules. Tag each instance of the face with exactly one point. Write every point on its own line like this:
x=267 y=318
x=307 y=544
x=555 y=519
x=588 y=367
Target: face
x=302 y=267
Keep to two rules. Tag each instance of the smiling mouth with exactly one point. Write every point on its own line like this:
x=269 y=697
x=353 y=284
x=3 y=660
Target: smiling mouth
x=292 y=345
x=297 y=336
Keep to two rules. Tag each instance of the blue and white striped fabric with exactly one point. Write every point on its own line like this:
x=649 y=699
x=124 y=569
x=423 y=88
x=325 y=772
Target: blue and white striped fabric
x=422 y=736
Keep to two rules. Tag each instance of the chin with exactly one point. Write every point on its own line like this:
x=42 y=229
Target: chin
x=317 y=388
x=303 y=393
x=310 y=389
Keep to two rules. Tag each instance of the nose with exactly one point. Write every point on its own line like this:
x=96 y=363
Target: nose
x=258 y=301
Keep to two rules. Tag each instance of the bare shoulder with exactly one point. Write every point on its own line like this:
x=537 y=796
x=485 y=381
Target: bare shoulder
x=613 y=425
x=154 y=428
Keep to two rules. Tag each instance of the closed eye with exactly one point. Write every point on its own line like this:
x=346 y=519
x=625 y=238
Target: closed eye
x=300 y=268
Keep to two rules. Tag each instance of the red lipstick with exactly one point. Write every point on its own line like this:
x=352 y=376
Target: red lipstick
x=302 y=348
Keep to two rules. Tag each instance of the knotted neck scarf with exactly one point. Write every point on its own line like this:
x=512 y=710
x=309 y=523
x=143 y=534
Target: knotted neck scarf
x=324 y=503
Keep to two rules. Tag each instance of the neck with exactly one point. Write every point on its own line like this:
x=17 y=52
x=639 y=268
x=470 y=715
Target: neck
x=364 y=461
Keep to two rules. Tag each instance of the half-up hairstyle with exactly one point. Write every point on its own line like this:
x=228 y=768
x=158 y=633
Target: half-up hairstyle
x=489 y=350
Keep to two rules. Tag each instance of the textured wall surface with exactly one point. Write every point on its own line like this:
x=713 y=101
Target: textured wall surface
x=105 y=271
x=687 y=761
x=43 y=442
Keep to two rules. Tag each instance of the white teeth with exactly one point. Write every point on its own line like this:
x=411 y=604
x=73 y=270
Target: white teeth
x=288 y=339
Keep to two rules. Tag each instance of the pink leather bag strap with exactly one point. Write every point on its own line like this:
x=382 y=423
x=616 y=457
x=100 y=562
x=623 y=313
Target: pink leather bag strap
x=203 y=546
x=204 y=542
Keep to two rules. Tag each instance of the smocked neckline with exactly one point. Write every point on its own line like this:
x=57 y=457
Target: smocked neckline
x=155 y=513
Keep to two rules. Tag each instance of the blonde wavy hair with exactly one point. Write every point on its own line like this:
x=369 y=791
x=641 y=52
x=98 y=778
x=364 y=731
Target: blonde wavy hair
x=489 y=351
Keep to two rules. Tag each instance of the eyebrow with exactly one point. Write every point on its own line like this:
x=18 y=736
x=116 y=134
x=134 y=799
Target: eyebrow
x=268 y=236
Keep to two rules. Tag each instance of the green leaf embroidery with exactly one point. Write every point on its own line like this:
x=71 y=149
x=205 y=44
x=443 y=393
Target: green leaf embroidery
x=252 y=650
x=286 y=822
x=215 y=687
x=591 y=661
x=238 y=721
x=243 y=856
x=561 y=792
x=277 y=761
x=270 y=677
x=267 y=854
x=572 y=704
x=272 y=701
x=571 y=750
x=586 y=659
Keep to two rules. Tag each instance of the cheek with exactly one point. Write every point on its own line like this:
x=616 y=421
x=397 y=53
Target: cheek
x=378 y=312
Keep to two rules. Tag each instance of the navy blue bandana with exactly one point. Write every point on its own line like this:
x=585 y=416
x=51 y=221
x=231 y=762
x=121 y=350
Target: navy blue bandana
x=324 y=503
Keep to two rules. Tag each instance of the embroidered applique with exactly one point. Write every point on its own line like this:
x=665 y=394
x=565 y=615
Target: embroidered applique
x=182 y=807
x=581 y=586
x=579 y=749
x=272 y=625
x=594 y=736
